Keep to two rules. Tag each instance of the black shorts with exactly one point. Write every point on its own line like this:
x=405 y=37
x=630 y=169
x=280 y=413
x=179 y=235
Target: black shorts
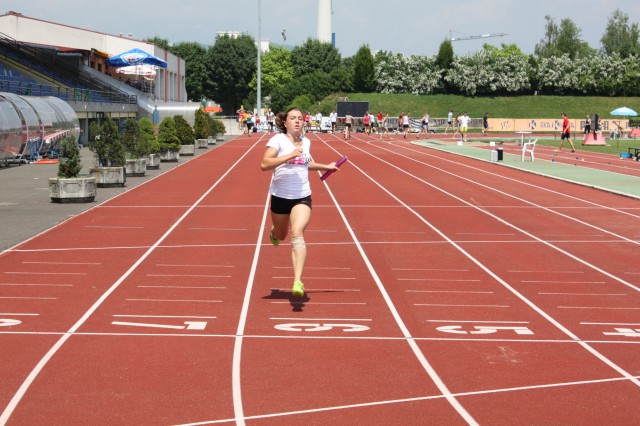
x=285 y=205
x=566 y=135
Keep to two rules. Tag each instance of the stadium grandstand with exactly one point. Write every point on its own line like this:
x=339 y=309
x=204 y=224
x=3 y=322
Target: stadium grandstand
x=43 y=59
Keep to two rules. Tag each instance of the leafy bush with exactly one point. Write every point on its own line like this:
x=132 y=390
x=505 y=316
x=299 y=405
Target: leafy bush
x=106 y=144
x=147 y=131
x=201 y=125
x=69 y=166
x=184 y=131
x=167 y=137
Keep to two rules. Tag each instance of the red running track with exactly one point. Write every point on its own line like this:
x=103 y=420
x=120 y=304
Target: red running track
x=434 y=297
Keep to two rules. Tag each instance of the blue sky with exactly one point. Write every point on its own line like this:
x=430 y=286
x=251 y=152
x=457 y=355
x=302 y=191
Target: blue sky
x=409 y=26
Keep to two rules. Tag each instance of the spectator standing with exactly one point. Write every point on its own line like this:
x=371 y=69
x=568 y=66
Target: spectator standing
x=587 y=125
x=449 y=122
x=333 y=116
x=319 y=121
x=464 y=126
x=485 y=123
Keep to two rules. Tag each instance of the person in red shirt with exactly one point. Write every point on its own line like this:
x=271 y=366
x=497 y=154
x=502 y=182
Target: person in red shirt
x=566 y=133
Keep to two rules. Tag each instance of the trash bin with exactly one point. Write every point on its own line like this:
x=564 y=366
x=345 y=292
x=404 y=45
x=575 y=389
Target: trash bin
x=494 y=156
x=500 y=154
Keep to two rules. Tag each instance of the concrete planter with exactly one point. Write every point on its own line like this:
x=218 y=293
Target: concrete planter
x=109 y=177
x=137 y=167
x=188 y=150
x=211 y=140
x=153 y=161
x=202 y=143
x=170 y=155
x=72 y=190
x=220 y=137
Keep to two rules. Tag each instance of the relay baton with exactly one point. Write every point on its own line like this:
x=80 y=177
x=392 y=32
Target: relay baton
x=328 y=172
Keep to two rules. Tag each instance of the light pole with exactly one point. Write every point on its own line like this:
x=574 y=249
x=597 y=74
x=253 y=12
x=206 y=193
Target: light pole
x=259 y=94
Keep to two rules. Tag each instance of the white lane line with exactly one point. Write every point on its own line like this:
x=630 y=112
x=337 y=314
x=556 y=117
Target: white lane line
x=35 y=285
x=189 y=275
x=315 y=267
x=17 y=314
x=604 y=308
x=165 y=316
x=17 y=397
x=114 y=227
x=396 y=232
x=485 y=268
x=174 y=300
x=408 y=400
x=515 y=271
x=430 y=269
x=394 y=312
x=318 y=278
x=609 y=323
x=28 y=298
x=62 y=263
x=319 y=290
x=236 y=379
x=461 y=306
x=43 y=273
x=449 y=291
x=217 y=229
x=560 y=282
x=485 y=233
x=322 y=319
x=296 y=302
x=583 y=294
x=193 y=266
x=438 y=280
x=181 y=287
x=481 y=322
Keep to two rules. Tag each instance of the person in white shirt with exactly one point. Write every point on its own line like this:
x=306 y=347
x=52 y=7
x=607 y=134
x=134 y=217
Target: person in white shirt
x=464 y=126
x=449 y=122
x=288 y=154
x=318 y=121
x=333 y=116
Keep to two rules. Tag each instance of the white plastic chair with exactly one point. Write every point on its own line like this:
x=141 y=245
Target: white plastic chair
x=529 y=147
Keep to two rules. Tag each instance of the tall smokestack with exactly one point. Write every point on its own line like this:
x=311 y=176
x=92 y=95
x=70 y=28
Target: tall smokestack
x=324 y=21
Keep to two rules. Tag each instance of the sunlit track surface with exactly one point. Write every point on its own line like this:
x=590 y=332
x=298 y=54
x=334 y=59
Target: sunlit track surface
x=439 y=290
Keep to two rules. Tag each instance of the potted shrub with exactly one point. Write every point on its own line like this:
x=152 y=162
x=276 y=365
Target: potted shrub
x=201 y=129
x=168 y=140
x=186 y=135
x=147 y=132
x=136 y=147
x=110 y=155
x=69 y=187
x=218 y=130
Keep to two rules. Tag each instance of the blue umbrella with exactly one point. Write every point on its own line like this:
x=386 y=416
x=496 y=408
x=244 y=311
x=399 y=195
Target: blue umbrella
x=624 y=111
x=135 y=57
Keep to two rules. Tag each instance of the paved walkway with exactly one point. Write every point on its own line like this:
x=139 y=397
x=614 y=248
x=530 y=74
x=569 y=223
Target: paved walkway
x=608 y=181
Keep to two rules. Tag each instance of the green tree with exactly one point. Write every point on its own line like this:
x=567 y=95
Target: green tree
x=313 y=56
x=364 y=78
x=561 y=40
x=115 y=151
x=184 y=131
x=201 y=125
x=276 y=68
x=147 y=131
x=619 y=37
x=445 y=56
x=159 y=41
x=196 y=79
x=167 y=137
x=232 y=63
x=69 y=166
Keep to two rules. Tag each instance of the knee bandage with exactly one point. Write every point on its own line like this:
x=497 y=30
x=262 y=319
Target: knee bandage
x=297 y=243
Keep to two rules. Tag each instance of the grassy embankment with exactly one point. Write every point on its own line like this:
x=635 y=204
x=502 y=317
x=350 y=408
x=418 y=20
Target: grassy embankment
x=502 y=107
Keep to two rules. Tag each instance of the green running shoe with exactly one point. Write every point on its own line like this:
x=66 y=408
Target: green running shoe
x=298 y=289
x=273 y=239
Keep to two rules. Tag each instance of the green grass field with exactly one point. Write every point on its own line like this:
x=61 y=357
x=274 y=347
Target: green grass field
x=613 y=146
x=500 y=107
